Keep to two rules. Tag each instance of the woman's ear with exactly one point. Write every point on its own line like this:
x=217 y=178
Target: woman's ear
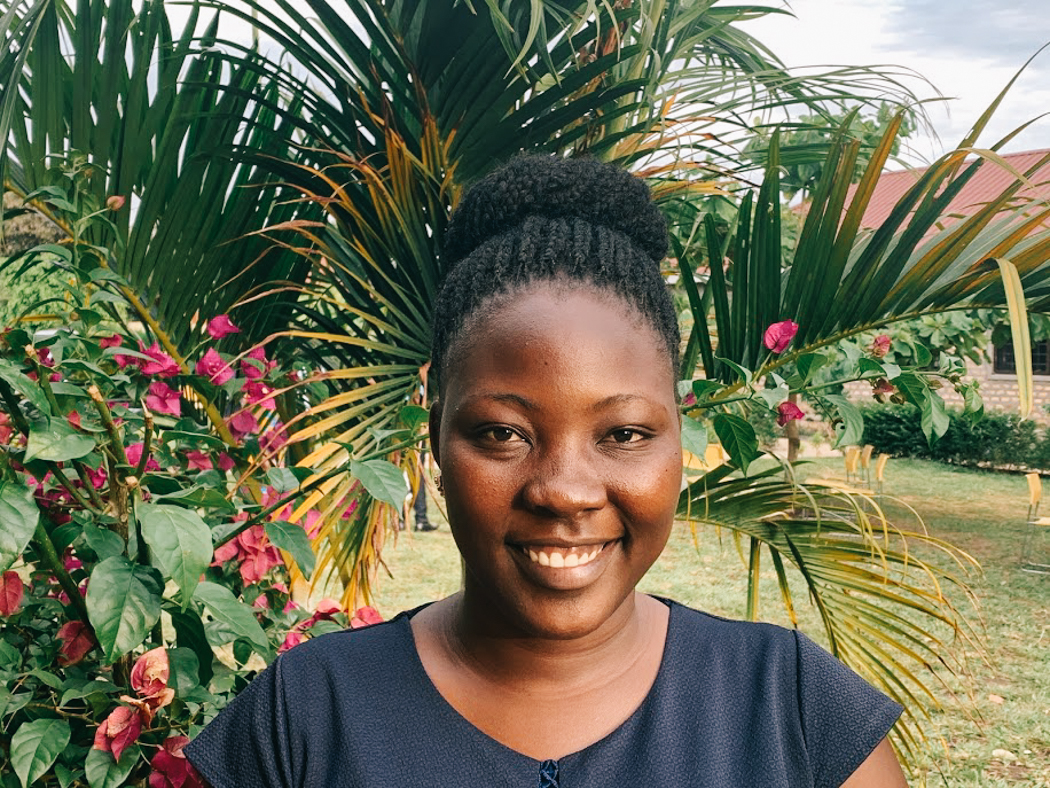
x=434 y=426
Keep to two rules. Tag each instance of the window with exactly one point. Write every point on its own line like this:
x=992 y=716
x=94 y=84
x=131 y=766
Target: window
x=1005 y=363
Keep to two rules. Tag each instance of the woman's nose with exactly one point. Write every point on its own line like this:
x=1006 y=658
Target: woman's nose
x=563 y=485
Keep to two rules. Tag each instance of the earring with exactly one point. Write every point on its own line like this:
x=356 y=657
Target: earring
x=440 y=484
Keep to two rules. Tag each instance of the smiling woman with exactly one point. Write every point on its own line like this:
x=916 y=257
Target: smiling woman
x=557 y=432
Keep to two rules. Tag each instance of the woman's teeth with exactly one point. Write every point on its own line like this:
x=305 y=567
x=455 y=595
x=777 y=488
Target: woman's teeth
x=559 y=557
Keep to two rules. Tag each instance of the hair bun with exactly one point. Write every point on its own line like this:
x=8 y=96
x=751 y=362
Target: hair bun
x=539 y=185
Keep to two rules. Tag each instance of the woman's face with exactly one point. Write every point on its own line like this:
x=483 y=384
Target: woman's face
x=558 y=439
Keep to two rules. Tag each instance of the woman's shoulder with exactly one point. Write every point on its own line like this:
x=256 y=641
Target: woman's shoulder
x=705 y=630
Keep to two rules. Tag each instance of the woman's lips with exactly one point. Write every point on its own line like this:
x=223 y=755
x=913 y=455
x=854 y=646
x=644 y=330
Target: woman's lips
x=564 y=568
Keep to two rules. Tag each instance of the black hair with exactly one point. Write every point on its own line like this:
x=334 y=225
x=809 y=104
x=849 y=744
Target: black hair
x=542 y=218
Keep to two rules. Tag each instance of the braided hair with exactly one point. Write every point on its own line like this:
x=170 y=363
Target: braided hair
x=546 y=219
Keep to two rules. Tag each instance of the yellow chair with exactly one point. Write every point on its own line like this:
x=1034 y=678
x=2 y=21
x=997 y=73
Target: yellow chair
x=693 y=465
x=865 y=463
x=880 y=472
x=851 y=457
x=1036 y=527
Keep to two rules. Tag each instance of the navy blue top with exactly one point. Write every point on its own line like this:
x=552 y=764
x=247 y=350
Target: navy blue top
x=734 y=705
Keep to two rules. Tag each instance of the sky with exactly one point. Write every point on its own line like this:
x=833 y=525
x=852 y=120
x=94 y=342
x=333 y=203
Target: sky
x=967 y=49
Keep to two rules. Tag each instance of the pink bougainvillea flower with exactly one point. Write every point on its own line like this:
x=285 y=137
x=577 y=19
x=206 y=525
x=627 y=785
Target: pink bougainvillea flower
x=171 y=769
x=225 y=461
x=258 y=556
x=76 y=642
x=313 y=523
x=291 y=640
x=73 y=417
x=243 y=423
x=254 y=365
x=199 y=461
x=214 y=368
x=258 y=393
x=97 y=477
x=43 y=355
x=365 y=617
x=880 y=346
x=160 y=363
x=114 y=341
x=227 y=551
x=6 y=430
x=325 y=609
x=115 y=202
x=70 y=561
x=134 y=452
x=779 y=335
x=788 y=411
x=164 y=399
x=12 y=591
x=118 y=731
x=274 y=439
x=149 y=678
x=882 y=386
x=221 y=326
x=127 y=361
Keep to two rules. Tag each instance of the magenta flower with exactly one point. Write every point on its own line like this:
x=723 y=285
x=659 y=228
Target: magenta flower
x=134 y=453
x=882 y=386
x=114 y=341
x=225 y=462
x=115 y=202
x=880 y=346
x=365 y=617
x=214 y=368
x=258 y=393
x=76 y=642
x=291 y=640
x=73 y=417
x=11 y=593
x=199 y=461
x=779 y=335
x=221 y=326
x=163 y=399
x=118 y=731
x=160 y=363
x=254 y=365
x=243 y=423
x=171 y=769
x=788 y=411
x=274 y=439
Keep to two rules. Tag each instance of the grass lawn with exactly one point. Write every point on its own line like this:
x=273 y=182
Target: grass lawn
x=1004 y=737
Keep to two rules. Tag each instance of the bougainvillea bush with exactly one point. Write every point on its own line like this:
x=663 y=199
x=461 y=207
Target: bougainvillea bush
x=142 y=547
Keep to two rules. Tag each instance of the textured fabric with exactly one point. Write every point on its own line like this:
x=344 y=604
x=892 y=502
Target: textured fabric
x=734 y=704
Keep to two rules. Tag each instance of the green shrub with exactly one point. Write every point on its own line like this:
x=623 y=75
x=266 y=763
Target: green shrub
x=998 y=439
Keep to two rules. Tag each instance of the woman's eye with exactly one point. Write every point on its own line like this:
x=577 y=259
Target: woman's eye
x=626 y=436
x=501 y=434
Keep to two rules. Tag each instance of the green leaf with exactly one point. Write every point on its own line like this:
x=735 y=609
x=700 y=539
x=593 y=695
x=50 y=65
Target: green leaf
x=185 y=670
x=103 y=542
x=935 y=420
x=743 y=373
x=235 y=615
x=851 y=430
x=738 y=438
x=17 y=380
x=702 y=388
x=189 y=633
x=179 y=541
x=203 y=497
x=283 y=480
x=104 y=772
x=35 y=746
x=383 y=480
x=694 y=436
x=913 y=387
x=123 y=603
x=57 y=441
x=19 y=516
x=293 y=538
x=806 y=366
x=87 y=688
x=413 y=416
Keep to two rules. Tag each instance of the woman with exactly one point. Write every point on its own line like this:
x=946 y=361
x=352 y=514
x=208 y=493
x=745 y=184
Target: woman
x=556 y=428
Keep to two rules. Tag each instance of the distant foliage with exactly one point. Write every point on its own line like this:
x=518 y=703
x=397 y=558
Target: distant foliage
x=996 y=440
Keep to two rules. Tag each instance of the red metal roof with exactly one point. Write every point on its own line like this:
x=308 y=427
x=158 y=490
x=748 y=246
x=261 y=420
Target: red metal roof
x=989 y=182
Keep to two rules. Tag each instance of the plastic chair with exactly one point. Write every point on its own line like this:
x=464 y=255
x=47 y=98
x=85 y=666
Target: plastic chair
x=851 y=458
x=865 y=463
x=880 y=472
x=1036 y=527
